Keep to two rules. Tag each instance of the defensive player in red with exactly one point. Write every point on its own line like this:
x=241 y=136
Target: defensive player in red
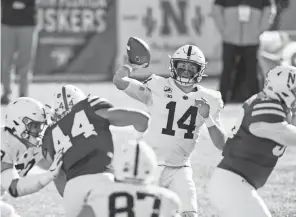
x=81 y=131
x=264 y=129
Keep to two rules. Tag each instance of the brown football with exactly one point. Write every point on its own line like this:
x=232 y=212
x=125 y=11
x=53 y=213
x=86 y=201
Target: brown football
x=138 y=51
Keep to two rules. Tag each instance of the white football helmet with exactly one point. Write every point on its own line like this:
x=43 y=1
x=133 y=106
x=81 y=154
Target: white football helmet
x=281 y=82
x=26 y=119
x=65 y=98
x=192 y=54
x=136 y=164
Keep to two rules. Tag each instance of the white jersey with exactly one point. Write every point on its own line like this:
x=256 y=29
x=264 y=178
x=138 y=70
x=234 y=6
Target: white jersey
x=112 y=198
x=175 y=122
x=14 y=152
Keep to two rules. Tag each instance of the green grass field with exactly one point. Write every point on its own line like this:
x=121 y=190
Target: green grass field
x=279 y=193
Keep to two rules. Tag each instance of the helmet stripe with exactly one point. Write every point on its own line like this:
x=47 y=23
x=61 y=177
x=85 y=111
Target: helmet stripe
x=189 y=51
x=137 y=159
x=65 y=98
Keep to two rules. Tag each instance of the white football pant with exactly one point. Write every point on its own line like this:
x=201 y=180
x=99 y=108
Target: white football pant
x=233 y=196
x=77 y=189
x=180 y=181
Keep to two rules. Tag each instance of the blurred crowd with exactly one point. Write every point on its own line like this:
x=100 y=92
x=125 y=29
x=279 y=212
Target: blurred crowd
x=240 y=22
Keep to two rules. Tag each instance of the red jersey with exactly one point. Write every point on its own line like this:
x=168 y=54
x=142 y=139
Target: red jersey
x=84 y=137
x=247 y=155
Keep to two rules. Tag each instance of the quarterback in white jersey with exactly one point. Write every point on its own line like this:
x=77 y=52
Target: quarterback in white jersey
x=20 y=148
x=132 y=194
x=178 y=108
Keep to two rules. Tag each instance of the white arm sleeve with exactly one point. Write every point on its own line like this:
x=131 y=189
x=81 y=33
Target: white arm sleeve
x=139 y=91
x=282 y=133
x=7 y=176
x=25 y=185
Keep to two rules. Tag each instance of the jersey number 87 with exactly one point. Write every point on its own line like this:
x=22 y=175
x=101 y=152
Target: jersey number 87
x=81 y=125
x=130 y=203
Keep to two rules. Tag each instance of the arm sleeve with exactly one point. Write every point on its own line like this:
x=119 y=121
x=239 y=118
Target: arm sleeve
x=139 y=91
x=219 y=105
x=281 y=132
x=29 y=184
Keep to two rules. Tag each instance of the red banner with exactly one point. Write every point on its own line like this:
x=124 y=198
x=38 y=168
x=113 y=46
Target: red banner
x=76 y=39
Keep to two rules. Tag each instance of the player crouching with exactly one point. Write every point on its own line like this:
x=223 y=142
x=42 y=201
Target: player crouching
x=132 y=194
x=20 y=150
x=259 y=139
x=81 y=131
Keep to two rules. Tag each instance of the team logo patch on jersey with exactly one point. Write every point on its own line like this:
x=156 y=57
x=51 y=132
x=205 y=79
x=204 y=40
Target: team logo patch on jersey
x=169 y=96
x=167 y=89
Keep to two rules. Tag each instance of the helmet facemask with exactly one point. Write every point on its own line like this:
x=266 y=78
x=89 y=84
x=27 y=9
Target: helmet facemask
x=186 y=74
x=34 y=131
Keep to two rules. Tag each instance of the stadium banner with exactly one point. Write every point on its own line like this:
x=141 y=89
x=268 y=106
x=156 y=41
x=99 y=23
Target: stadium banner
x=166 y=25
x=77 y=40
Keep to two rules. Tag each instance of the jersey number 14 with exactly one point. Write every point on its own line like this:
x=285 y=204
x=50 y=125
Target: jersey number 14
x=191 y=113
x=81 y=125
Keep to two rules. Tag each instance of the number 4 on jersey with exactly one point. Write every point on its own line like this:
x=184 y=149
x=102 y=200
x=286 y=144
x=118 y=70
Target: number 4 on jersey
x=81 y=125
x=190 y=114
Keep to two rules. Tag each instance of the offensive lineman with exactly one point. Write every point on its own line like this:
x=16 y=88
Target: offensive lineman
x=20 y=151
x=260 y=137
x=132 y=194
x=178 y=108
x=82 y=133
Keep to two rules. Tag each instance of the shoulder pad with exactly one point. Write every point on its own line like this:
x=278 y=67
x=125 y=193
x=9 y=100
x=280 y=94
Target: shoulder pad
x=155 y=82
x=98 y=103
x=213 y=97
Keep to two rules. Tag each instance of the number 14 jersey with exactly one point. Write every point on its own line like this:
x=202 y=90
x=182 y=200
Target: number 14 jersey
x=175 y=122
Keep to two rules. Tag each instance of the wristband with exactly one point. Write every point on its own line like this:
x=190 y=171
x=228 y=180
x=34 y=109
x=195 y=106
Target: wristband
x=130 y=69
x=209 y=122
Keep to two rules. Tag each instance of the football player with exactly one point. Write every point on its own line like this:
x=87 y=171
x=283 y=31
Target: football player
x=178 y=108
x=20 y=150
x=132 y=194
x=258 y=140
x=81 y=131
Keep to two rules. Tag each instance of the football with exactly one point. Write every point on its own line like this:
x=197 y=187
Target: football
x=138 y=51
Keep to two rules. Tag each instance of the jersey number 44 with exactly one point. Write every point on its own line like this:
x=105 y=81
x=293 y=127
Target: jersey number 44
x=81 y=125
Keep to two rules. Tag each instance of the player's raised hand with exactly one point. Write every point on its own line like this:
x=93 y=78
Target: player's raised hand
x=56 y=164
x=203 y=107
